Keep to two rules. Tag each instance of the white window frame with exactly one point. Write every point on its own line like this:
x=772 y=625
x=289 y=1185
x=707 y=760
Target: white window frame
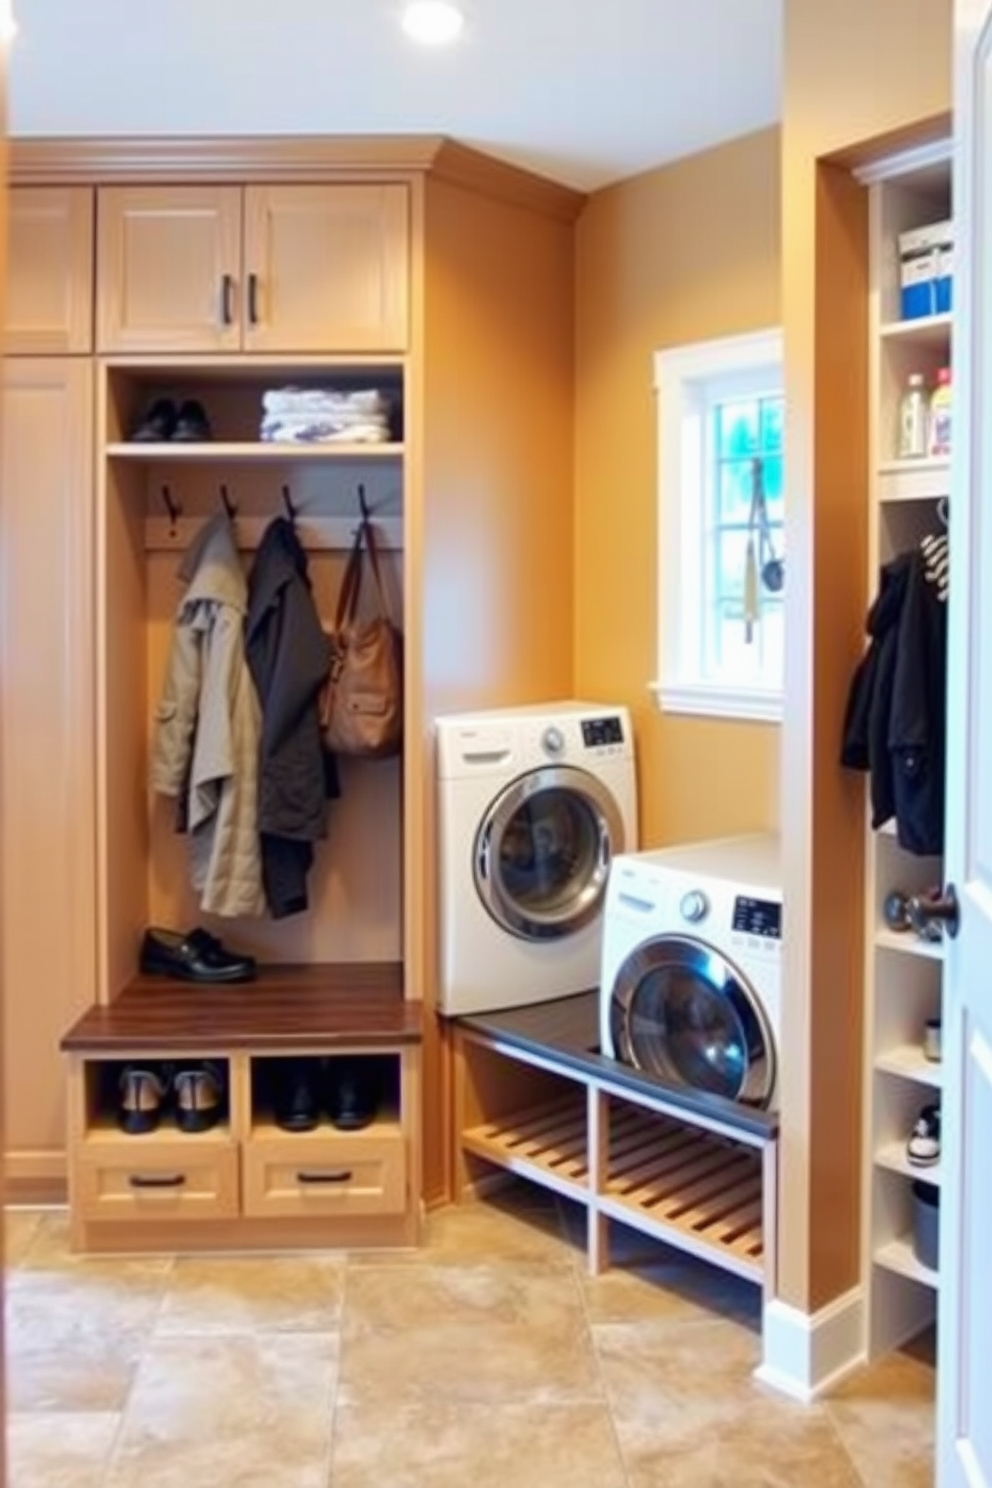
x=688 y=381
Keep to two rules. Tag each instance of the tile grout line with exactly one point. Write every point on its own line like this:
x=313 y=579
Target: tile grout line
x=333 y=1433
x=577 y=1259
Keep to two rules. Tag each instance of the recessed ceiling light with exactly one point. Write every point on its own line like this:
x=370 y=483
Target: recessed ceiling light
x=432 y=22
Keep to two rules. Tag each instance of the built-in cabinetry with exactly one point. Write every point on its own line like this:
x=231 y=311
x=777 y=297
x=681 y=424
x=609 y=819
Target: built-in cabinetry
x=50 y=271
x=47 y=746
x=270 y=266
x=296 y=268
x=903 y=974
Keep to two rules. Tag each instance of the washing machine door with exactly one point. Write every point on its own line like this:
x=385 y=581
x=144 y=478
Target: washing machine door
x=682 y=1011
x=543 y=849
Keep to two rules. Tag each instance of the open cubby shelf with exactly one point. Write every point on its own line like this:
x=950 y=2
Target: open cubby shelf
x=534 y=1097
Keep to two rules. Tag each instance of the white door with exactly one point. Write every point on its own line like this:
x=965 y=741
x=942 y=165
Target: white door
x=964 y=1429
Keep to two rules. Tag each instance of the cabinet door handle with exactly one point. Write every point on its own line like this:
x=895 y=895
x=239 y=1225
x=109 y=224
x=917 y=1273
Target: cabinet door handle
x=227 y=299
x=253 y=299
x=159 y=1180
x=344 y=1175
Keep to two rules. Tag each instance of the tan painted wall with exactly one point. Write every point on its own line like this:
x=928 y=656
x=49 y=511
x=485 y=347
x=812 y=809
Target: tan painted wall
x=681 y=254
x=854 y=73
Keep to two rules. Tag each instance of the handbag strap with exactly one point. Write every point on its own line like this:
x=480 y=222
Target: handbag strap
x=351 y=584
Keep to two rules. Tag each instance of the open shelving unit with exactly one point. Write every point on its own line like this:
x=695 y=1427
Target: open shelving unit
x=903 y=972
x=535 y=1098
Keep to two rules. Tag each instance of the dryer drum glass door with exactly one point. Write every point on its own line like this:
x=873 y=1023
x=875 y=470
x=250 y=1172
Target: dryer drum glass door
x=543 y=849
x=683 y=1012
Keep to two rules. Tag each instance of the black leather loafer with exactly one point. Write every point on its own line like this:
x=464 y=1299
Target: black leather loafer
x=199 y=1096
x=195 y=957
x=141 y=1097
x=158 y=424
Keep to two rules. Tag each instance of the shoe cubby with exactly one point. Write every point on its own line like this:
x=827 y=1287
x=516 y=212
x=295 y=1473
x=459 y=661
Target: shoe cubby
x=147 y=1098
x=548 y=1107
x=246 y=1182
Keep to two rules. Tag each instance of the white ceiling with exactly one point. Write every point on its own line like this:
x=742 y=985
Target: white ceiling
x=585 y=91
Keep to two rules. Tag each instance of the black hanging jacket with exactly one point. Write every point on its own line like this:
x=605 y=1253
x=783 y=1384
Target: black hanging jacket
x=895 y=721
x=288 y=657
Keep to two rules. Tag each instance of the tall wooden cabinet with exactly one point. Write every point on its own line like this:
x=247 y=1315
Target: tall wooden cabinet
x=444 y=280
x=50 y=271
x=48 y=780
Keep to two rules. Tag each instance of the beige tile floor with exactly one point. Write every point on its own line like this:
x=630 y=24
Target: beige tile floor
x=487 y=1360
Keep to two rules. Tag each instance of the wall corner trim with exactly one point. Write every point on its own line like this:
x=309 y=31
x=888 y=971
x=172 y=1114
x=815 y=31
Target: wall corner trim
x=805 y=1354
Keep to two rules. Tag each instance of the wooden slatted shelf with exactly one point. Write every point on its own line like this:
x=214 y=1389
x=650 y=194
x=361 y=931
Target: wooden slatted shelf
x=535 y=1097
x=547 y=1142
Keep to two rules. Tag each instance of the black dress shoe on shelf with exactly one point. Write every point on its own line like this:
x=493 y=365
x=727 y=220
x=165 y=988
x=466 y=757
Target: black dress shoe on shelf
x=198 y=1090
x=297 y=1102
x=141 y=1096
x=158 y=423
x=352 y=1100
x=192 y=425
x=194 y=957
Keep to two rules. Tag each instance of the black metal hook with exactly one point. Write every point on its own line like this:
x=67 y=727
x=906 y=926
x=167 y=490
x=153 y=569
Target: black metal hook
x=287 y=502
x=229 y=506
x=363 y=504
x=172 y=507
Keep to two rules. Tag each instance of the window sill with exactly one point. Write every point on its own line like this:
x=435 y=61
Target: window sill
x=710 y=700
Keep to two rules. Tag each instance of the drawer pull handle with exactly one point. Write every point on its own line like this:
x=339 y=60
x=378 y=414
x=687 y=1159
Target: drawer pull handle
x=344 y=1175
x=160 y=1180
x=253 y=299
x=227 y=300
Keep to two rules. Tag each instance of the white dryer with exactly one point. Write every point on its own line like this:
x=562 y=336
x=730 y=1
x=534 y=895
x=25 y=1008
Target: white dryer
x=690 y=988
x=533 y=804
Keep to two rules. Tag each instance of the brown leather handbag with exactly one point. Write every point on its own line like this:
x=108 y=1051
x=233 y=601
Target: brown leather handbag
x=362 y=700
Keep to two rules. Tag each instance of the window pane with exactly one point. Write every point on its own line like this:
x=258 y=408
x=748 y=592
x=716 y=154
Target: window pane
x=737 y=429
x=733 y=659
x=731 y=548
x=736 y=480
x=774 y=495
x=772 y=415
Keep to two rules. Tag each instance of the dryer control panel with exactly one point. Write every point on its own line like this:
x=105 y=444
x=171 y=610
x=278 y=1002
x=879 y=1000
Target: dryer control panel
x=598 y=732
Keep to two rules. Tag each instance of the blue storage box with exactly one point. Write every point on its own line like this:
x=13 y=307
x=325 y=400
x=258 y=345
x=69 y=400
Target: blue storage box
x=926 y=270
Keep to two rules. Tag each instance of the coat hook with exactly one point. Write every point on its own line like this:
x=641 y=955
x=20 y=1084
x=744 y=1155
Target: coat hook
x=363 y=504
x=173 y=508
x=229 y=506
x=287 y=502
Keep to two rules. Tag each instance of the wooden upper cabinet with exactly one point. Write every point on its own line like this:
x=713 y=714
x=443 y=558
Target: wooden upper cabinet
x=169 y=260
x=290 y=269
x=326 y=268
x=50 y=271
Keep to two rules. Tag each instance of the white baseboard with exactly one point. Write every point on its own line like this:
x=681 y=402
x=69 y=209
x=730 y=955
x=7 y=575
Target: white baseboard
x=805 y=1354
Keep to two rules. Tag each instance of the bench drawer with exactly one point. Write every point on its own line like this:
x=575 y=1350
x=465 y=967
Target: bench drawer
x=160 y=1182
x=308 y=1174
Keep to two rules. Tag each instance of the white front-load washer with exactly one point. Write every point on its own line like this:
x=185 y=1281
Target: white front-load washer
x=533 y=804
x=690 y=987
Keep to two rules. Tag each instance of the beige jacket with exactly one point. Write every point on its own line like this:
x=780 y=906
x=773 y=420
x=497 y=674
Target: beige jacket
x=209 y=725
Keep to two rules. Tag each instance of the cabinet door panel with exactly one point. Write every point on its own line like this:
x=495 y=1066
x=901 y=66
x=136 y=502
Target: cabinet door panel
x=330 y=266
x=47 y=751
x=50 y=270
x=162 y=256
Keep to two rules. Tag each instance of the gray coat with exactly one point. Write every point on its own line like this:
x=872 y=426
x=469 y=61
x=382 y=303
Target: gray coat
x=209 y=726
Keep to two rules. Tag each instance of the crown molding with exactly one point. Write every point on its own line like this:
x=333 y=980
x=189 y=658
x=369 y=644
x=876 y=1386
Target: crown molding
x=164 y=159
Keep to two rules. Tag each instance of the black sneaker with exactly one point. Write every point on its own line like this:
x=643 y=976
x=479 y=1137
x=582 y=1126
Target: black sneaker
x=192 y=425
x=923 y=1147
x=158 y=423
